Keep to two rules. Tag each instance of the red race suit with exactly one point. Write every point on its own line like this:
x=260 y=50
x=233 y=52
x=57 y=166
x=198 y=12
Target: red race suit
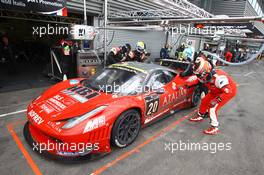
x=221 y=89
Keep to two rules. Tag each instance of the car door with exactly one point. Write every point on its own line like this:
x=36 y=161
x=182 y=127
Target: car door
x=156 y=95
x=185 y=87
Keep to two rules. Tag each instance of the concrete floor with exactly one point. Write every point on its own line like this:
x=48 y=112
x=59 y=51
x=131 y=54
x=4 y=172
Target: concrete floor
x=241 y=127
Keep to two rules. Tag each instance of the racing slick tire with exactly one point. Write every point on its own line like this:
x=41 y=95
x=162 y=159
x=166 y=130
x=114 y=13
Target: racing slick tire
x=196 y=97
x=126 y=128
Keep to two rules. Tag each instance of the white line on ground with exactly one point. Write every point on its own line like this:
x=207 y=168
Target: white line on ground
x=12 y=113
x=249 y=74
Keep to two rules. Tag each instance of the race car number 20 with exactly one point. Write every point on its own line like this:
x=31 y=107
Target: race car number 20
x=152 y=105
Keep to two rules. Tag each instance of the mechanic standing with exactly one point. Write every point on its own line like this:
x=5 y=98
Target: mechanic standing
x=189 y=51
x=118 y=54
x=66 y=59
x=165 y=52
x=139 y=54
x=221 y=89
x=179 y=50
x=228 y=56
x=6 y=55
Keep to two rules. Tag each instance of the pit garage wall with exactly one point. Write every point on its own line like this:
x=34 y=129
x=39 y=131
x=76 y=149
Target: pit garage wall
x=154 y=40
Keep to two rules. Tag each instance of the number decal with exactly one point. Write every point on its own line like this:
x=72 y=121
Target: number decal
x=152 y=105
x=150 y=109
x=155 y=106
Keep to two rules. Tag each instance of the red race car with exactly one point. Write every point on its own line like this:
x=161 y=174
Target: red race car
x=82 y=116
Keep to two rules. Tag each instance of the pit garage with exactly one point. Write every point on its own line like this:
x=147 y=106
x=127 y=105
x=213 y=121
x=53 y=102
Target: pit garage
x=167 y=143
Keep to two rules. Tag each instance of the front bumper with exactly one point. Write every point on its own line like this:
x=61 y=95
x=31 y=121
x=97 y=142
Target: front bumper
x=55 y=148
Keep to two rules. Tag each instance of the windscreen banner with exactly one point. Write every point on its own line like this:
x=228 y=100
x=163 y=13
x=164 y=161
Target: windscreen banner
x=47 y=7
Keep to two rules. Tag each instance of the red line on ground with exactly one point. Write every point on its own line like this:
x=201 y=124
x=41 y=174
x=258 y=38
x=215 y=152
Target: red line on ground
x=137 y=148
x=20 y=145
x=37 y=171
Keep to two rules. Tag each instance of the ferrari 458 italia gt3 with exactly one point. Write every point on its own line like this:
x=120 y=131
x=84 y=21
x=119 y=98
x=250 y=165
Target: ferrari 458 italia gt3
x=82 y=116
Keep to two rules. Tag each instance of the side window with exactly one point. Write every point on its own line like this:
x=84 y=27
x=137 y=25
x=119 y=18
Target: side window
x=169 y=75
x=157 y=80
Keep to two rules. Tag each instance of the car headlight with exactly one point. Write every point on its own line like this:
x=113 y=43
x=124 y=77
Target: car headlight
x=76 y=120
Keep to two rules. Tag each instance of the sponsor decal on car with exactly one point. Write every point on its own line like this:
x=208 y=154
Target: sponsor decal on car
x=56 y=102
x=74 y=82
x=68 y=101
x=54 y=126
x=174 y=86
x=149 y=119
x=94 y=124
x=35 y=117
x=152 y=104
x=174 y=97
x=64 y=153
x=80 y=93
x=192 y=79
x=79 y=98
x=47 y=108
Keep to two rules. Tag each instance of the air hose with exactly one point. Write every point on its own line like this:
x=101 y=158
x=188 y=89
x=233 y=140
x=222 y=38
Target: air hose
x=252 y=57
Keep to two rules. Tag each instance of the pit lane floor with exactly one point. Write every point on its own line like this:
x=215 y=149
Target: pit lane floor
x=241 y=127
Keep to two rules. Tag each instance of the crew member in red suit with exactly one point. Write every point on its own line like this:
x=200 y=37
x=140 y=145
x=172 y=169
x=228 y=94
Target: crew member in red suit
x=228 y=56
x=118 y=54
x=221 y=89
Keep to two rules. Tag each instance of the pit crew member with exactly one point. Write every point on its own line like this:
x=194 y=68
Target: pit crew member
x=139 y=54
x=221 y=89
x=118 y=54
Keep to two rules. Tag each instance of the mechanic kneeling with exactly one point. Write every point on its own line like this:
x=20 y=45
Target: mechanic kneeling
x=118 y=54
x=221 y=89
x=139 y=54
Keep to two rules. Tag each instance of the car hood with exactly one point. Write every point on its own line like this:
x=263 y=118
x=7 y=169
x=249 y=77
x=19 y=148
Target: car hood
x=68 y=102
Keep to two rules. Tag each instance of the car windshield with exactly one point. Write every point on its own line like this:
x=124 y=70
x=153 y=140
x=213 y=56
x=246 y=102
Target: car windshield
x=115 y=80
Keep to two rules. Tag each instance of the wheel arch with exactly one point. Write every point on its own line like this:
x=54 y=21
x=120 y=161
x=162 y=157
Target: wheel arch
x=140 y=111
x=137 y=108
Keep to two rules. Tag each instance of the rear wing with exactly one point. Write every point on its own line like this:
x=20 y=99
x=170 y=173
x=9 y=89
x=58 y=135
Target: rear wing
x=175 y=64
x=183 y=67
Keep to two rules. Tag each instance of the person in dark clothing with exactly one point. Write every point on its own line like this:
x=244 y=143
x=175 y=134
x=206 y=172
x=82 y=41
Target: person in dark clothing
x=180 y=50
x=165 y=52
x=139 y=54
x=66 y=57
x=6 y=54
x=118 y=54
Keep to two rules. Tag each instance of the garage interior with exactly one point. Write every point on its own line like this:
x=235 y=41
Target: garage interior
x=241 y=120
x=30 y=51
